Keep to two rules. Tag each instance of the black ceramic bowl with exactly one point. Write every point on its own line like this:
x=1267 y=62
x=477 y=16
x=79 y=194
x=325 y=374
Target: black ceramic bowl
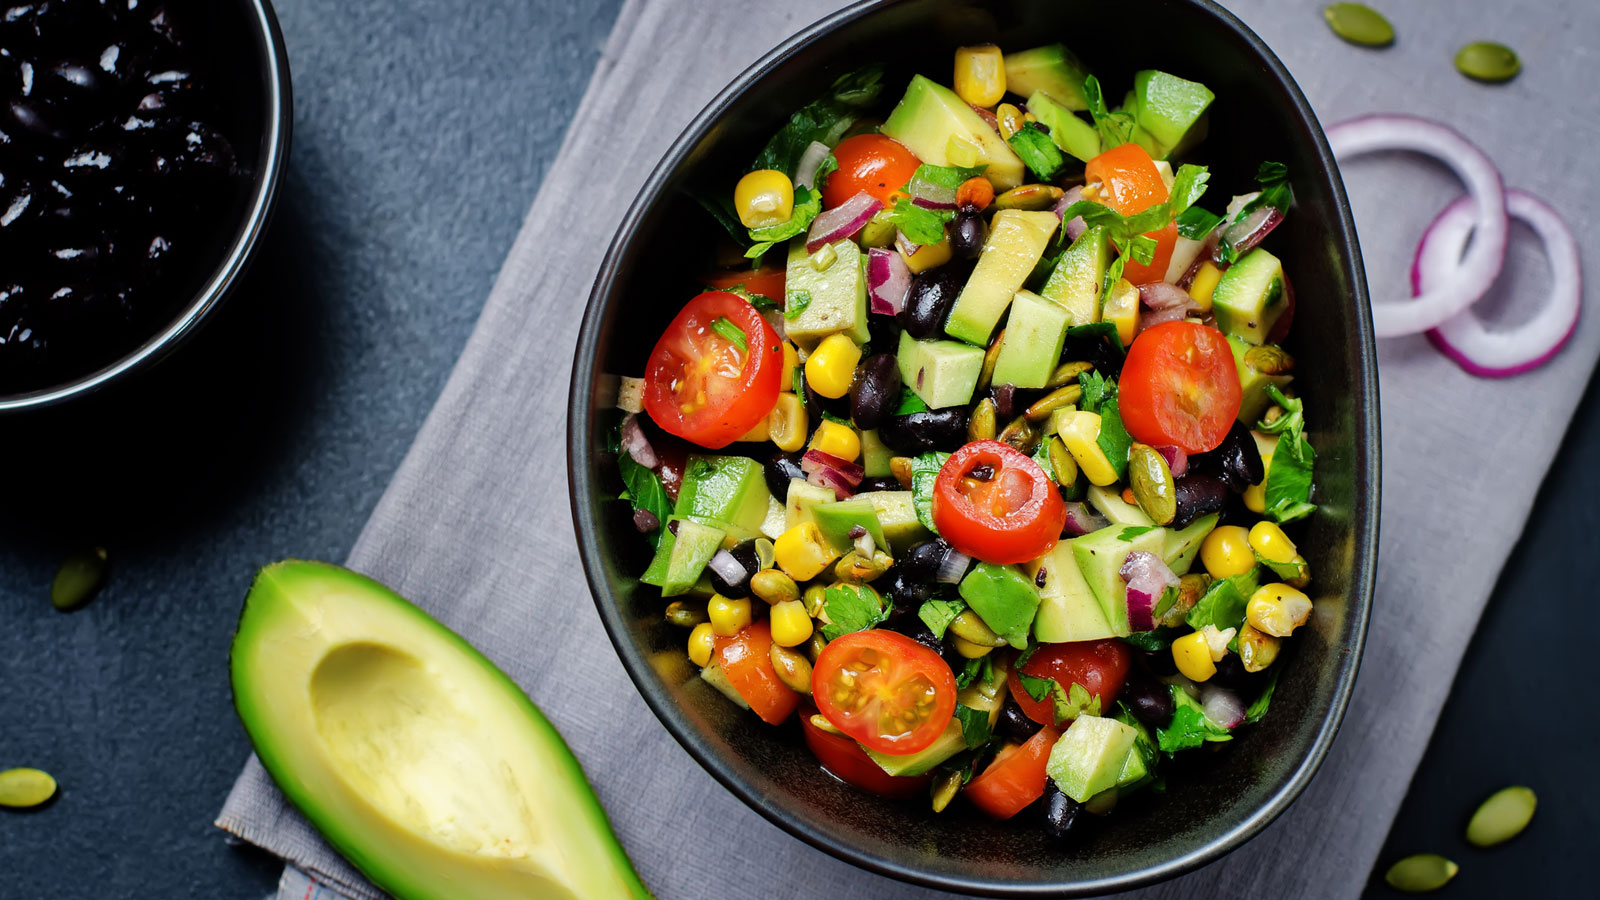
x=239 y=44
x=1214 y=801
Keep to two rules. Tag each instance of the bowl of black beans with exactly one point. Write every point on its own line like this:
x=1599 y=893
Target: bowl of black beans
x=141 y=147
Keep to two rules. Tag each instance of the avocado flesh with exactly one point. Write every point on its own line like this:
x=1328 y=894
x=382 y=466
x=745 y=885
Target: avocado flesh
x=1076 y=281
x=1017 y=240
x=416 y=758
x=1035 y=332
x=942 y=130
x=941 y=373
x=1068 y=610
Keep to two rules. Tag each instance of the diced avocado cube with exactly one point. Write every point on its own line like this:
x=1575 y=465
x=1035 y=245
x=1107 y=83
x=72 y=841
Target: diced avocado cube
x=1118 y=511
x=1004 y=598
x=1068 y=610
x=1017 y=240
x=835 y=520
x=837 y=292
x=1089 y=757
x=942 y=130
x=1079 y=275
x=897 y=514
x=1139 y=768
x=1031 y=349
x=1100 y=555
x=1171 y=109
x=1253 y=399
x=803 y=496
x=728 y=492
x=1183 y=545
x=681 y=557
x=1072 y=134
x=1250 y=297
x=714 y=676
x=875 y=454
x=1134 y=771
x=943 y=747
x=1051 y=68
x=941 y=373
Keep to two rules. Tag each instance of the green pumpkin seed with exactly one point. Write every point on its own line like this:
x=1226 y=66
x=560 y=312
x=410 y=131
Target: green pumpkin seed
x=1359 y=24
x=1067 y=373
x=792 y=668
x=78 y=579
x=1056 y=399
x=1152 y=484
x=685 y=615
x=1269 y=360
x=1502 y=816
x=982 y=424
x=990 y=357
x=945 y=788
x=1421 y=873
x=1029 y=196
x=1062 y=463
x=25 y=788
x=968 y=626
x=1020 y=435
x=774 y=586
x=1488 y=61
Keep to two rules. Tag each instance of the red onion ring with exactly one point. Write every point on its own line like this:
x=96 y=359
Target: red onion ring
x=1463 y=338
x=1075 y=226
x=888 y=281
x=1477 y=270
x=843 y=221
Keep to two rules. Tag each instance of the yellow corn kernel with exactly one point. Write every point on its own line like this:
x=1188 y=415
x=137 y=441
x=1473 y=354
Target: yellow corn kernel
x=968 y=649
x=832 y=366
x=980 y=74
x=927 y=257
x=1257 y=649
x=1122 y=310
x=803 y=552
x=1081 y=436
x=702 y=641
x=1302 y=576
x=787 y=423
x=791 y=626
x=1270 y=541
x=764 y=198
x=1226 y=552
x=1204 y=285
x=1217 y=640
x=728 y=616
x=1192 y=655
x=1255 y=496
x=1277 y=609
x=837 y=440
x=791 y=358
x=760 y=431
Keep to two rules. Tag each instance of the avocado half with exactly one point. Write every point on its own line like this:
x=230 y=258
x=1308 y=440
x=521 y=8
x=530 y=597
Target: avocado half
x=415 y=757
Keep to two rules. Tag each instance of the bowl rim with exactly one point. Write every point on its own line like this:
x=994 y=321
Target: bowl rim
x=279 y=112
x=1364 y=512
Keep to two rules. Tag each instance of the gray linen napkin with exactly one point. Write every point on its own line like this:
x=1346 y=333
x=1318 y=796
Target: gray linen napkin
x=475 y=525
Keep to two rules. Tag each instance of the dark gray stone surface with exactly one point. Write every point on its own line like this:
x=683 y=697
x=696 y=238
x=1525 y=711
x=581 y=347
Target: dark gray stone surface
x=422 y=131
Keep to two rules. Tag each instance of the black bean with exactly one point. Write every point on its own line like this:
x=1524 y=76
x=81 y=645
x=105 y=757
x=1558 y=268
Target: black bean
x=1005 y=400
x=746 y=555
x=1149 y=699
x=1236 y=460
x=816 y=405
x=1199 y=494
x=920 y=432
x=875 y=391
x=878 y=483
x=1014 y=724
x=932 y=294
x=921 y=562
x=967 y=235
x=1232 y=676
x=903 y=589
x=779 y=470
x=1159 y=662
x=1061 y=813
x=1095 y=350
x=914 y=628
x=883 y=332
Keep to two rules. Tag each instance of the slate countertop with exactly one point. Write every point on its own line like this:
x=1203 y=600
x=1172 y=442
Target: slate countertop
x=422 y=131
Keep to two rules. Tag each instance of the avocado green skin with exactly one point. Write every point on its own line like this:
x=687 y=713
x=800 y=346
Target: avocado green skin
x=1004 y=598
x=258 y=687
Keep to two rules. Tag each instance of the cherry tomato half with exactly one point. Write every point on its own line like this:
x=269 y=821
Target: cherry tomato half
x=993 y=503
x=879 y=165
x=1015 y=778
x=1100 y=666
x=699 y=385
x=1179 y=386
x=885 y=690
x=846 y=761
x=746 y=660
x=1129 y=182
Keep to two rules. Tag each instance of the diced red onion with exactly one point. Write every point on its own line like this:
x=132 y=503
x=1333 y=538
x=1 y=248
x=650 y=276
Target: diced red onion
x=829 y=471
x=930 y=195
x=805 y=171
x=1499 y=354
x=637 y=445
x=727 y=567
x=1158 y=295
x=1152 y=319
x=1177 y=460
x=1244 y=236
x=1076 y=226
x=1081 y=520
x=843 y=221
x=888 y=280
x=1478 y=268
x=931 y=203
x=954 y=567
x=1222 y=706
x=1148 y=576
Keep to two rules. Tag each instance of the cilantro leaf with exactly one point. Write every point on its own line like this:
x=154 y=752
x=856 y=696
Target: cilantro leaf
x=759 y=301
x=734 y=334
x=1133 y=531
x=1036 y=687
x=920 y=226
x=972 y=669
x=825 y=119
x=938 y=613
x=944 y=179
x=1141 y=249
x=1096 y=389
x=1222 y=605
x=924 y=473
x=974 y=726
x=1159 y=639
x=807 y=203
x=1288 y=488
x=720 y=206
x=829 y=166
x=837 y=420
x=645 y=491
x=1291 y=423
x=1041 y=455
x=1275 y=193
x=1196 y=223
x=1115 y=129
x=795 y=303
x=1189 y=727
x=1114 y=439
x=909 y=403
x=797 y=380
x=851 y=608
x=1038 y=152
x=1073 y=702
x=1258 y=707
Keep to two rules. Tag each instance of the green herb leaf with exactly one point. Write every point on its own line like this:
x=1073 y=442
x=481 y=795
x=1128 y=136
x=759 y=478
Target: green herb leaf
x=1114 y=439
x=974 y=726
x=1152 y=641
x=837 y=420
x=920 y=226
x=1288 y=488
x=924 y=473
x=1037 y=688
x=909 y=403
x=938 y=613
x=807 y=203
x=759 y=301
x=828 y=167
x=1073 y=702
x=797 y=380
x=1275 y=192
x=851 y=608
x=735 y=335
x=795 y=303
x=1141 y=249
x=1223 y=602
x=1133 y=531
x=1196 y=223
x=1096 y=388
x=946 y=177
x=646 y=492
x=1038 y=152
x=825 y=119
x=1189 y=727
x=720 y=206
x=1041 y=456
x=1292 y=423
x=1258 y=707
x=1115 y=129
x=970 y=671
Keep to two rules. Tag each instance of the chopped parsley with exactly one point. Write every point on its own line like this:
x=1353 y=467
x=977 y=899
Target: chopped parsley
x=974 y=725
x=924 y=473
x=807 y=203
x=1288 y=487
x=938 y=613
x=735 y=335
x=795 y=303
x=1258 y=707
x=851 y=608
x=1038 y=152
x=920 y=226
x=909 y=403
x=1114 y=439
x=645 y=491
x=1116 y=128
x=1133 y=531
x=824 y=120
x=1189 y=727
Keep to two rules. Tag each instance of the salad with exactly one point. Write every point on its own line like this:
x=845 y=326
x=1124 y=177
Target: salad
x=977 y=456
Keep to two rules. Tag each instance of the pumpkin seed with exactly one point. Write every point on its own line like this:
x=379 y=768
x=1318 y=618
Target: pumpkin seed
x=774 y=586
x=1151 y=482
x=79 y=578
x=1269 y=360
x=815 y=645
x=815 y=596
x=1359 y=24
x=1020 y=435
x=685 y=615
x=25 y=788
x=1056 y=399
x=1062 y=463
x=1067 y=373
x=990 y=357
x=820 y=723
x=1502 y=816
x=1029 y=196
x=1257 y=649
x=945 y=788
x=1488 y=61
x=1010 y=119
x=969 y=627
x=982 y=424
x=1421 y=873
x=793 y=669
x=900 y=468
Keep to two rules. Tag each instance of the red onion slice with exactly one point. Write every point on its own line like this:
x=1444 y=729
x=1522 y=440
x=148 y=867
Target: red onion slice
x=1244 y=236
x=829 y=471
x=1076 y=226
x=1463 y=338
x=843 y=221
x=1082 y=520
x=1222 y=706
x=888 y=280
x=1148 y=576
x=805 y=171
x=1177 y=460
x=954 y=567
x=1478 y=269
x=728 y=567
x=637 y=445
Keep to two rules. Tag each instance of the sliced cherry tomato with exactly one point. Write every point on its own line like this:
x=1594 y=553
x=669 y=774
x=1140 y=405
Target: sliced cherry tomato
x=846 y=761
x=996 y=504
x=1129 y=182
x=767 y=282
x=1100 y=666
x=746 y=659
x=1015 y=778
x=1179 y=386
x=885 y=690
x=879 y=165
x=699 y=385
